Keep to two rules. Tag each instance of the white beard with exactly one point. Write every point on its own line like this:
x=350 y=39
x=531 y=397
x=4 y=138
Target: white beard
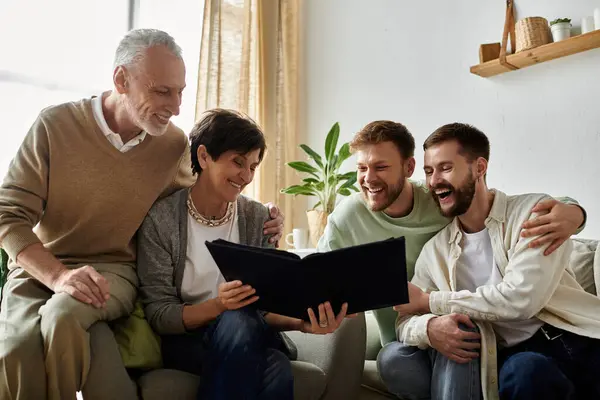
x=152 y=129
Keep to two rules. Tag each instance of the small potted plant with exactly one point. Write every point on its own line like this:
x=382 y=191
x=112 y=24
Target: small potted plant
x=561 y=29
x=323 y=181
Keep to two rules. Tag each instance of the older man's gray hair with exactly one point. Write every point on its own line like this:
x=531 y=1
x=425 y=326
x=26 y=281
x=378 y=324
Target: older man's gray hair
x=132 y=47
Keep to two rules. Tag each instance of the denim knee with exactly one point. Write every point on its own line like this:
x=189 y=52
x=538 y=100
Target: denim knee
x=239 y=323
x=278 y=381
x=405 y=370
x=530 y=375
x=280 y=363
x=239 y=329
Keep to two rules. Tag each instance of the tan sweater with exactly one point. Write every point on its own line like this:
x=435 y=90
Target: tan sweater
x=86 y=197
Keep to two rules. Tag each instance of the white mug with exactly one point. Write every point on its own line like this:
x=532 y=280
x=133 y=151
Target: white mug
x=587 y=24
x=299 y=238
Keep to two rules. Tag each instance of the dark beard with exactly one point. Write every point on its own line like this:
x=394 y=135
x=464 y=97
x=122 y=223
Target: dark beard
x=393 y=193
x=464 y=197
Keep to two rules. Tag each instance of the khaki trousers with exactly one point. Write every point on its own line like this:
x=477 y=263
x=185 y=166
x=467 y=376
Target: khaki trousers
x=44 y=343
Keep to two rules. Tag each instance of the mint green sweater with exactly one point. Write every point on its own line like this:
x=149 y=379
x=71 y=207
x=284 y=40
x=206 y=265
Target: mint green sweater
x=352 y=223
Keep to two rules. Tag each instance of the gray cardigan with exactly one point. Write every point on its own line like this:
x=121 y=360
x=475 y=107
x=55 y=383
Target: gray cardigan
x=162 y=244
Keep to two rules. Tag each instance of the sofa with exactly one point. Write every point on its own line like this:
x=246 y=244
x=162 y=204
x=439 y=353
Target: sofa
x=328 y=367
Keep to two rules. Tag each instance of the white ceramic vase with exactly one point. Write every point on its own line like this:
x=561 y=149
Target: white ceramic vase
x=587 y=24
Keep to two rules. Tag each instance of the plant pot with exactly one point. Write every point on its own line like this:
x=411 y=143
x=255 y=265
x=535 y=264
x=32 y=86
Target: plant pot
x=317 y=220
x=561 y=31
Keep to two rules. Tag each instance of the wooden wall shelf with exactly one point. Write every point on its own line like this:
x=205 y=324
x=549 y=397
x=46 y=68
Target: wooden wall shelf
x=547 y=52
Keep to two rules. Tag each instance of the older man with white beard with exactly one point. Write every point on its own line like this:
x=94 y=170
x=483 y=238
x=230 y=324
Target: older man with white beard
x=85 y=176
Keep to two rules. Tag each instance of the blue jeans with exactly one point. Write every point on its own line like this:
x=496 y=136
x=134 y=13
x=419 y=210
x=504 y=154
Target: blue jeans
x=414 y=374
x=238 y=356
x=553 y=365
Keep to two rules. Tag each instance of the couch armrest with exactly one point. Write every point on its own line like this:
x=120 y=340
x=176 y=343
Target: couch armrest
x=341 y=355
x=585 y=263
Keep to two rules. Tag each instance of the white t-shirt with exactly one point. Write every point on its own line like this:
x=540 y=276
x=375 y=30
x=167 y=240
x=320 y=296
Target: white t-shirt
x=476 y=267
x=201 y=276
x=112 y=137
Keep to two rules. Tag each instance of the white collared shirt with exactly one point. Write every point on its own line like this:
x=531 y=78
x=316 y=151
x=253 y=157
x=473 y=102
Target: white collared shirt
x=112 y=137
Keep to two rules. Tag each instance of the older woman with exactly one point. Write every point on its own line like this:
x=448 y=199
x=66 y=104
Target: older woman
x=204 y=323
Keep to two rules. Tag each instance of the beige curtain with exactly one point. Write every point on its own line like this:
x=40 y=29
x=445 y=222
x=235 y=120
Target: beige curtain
x=249 y=60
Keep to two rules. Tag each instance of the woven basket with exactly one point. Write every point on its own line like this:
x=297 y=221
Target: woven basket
x=532 y=32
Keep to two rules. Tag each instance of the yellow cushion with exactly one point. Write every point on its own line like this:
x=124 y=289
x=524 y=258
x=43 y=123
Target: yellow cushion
x=138 y=344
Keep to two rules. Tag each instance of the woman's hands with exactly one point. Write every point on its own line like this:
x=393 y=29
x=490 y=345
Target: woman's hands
x=234 y=295
x=328 y=322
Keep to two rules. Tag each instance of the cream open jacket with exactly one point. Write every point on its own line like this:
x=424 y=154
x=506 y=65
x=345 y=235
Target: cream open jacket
x=533 y=285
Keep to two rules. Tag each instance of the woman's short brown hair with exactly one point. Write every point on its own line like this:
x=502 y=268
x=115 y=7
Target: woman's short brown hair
x=222 y=130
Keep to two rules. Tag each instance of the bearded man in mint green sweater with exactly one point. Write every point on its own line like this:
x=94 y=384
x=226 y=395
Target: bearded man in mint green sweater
x=392 y=205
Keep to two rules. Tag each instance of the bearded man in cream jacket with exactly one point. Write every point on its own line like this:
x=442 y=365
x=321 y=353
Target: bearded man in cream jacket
x=539 y=329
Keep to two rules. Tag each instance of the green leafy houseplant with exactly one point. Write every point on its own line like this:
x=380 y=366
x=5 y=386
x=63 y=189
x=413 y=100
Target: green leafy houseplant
x=324 y=179
x=560 y=20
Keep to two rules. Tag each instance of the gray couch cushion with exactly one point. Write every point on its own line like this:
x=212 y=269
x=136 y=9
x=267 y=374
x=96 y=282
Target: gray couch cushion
x=586 y=265
x=168 y=384
x=309 y=381
x=340 y=355
x=373 y=338
x=372 y=394
x=371 y=377
x=372 y=386
x=160 y=384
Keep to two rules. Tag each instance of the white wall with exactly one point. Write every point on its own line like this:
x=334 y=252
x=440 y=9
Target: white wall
x=182 y=19
x=409 y=62
x=54 y=63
